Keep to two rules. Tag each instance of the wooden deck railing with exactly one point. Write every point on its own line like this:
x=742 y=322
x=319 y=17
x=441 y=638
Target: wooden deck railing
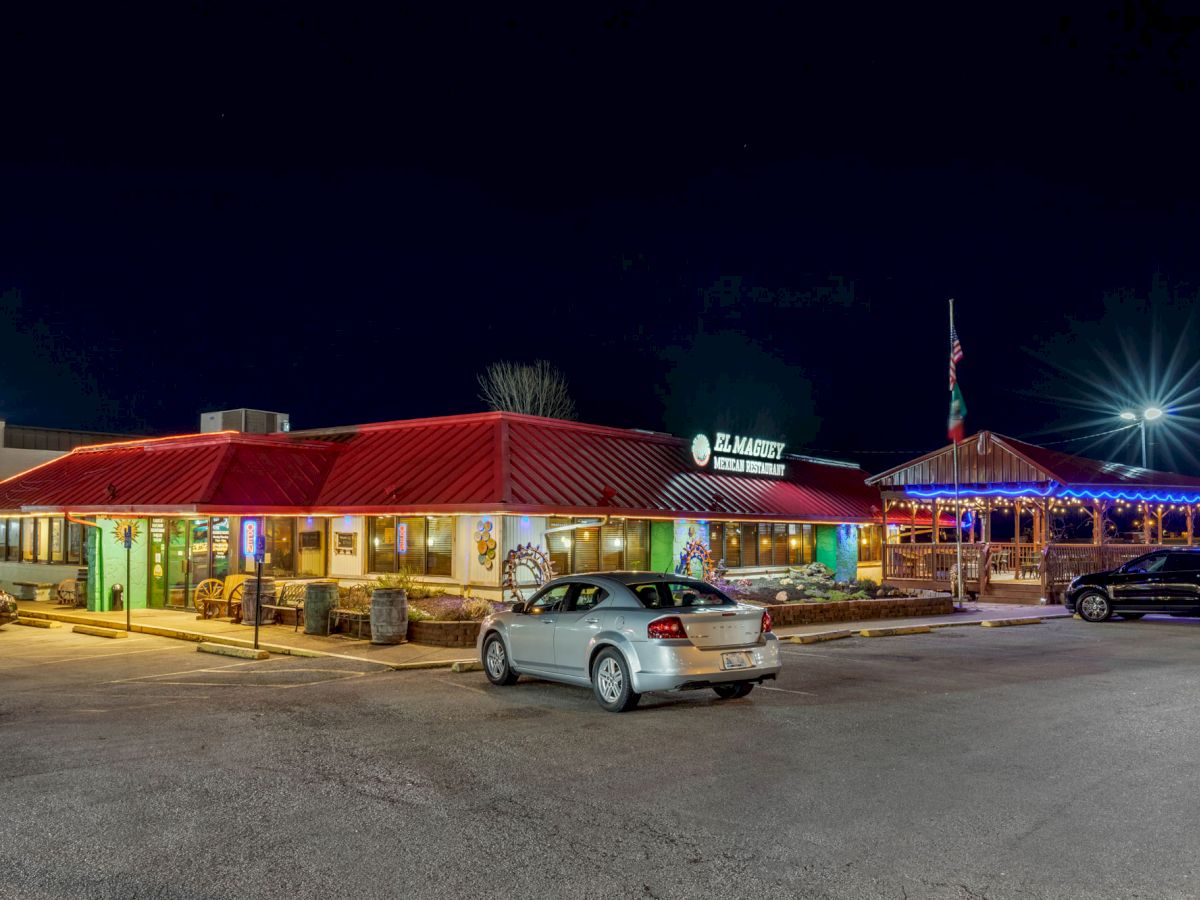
x=1064 y=562
x=928 y=562
x=1015 y=560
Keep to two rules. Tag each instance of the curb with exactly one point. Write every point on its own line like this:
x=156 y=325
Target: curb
x=889 y=632
x=815 y=638
x=1002 y=623
x=99 y=632
x=226 y=650
x=37 y=623
x=431 y=664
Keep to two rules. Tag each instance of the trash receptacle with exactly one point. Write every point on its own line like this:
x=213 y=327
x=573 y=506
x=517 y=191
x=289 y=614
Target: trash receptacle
x=117 y=598
x=319 y=599
x=389 y=616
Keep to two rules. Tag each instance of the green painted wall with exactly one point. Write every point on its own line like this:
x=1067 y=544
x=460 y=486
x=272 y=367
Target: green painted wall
x=662 y=546
x=826 y=539
x=107 y=565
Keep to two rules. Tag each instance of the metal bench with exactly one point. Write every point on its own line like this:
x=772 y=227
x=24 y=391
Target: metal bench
x=290 y=597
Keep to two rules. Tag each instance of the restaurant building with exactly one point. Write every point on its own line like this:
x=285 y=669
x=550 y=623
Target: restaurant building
x=447 y=500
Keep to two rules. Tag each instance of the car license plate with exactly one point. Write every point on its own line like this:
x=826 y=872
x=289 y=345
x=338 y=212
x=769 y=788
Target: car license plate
x=735 y=661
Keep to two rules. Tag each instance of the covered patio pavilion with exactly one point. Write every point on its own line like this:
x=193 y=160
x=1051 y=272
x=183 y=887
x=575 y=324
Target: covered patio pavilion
x=1032 y=518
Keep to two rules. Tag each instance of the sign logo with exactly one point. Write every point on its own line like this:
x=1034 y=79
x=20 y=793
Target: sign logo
x=741 y=455
x=119 y=526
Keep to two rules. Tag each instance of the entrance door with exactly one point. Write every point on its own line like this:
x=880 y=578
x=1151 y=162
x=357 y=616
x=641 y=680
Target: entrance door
x=198 y=549
x=178 y=594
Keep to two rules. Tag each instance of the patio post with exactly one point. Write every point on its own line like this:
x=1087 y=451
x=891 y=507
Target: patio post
x=1188 y=512
x=1159 y=517
x=936 y=523
x=1145 y=523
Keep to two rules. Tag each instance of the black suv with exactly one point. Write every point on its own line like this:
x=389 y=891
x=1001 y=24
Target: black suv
x=1165 y=581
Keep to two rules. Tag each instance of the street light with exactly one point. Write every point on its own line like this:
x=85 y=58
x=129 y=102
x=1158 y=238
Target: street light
x=1149 y=414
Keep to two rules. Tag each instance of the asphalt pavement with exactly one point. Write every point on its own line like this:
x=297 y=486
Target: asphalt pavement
x=1056 y=760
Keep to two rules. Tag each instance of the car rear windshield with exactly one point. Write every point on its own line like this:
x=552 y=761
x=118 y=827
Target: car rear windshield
x=672 y=595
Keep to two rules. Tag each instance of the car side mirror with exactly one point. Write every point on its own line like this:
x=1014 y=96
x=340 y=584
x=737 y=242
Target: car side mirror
x=519 y=608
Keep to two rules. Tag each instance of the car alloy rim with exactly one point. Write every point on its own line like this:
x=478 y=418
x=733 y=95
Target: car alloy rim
x=1093 y=607
x=608 y=680
x=495 y=659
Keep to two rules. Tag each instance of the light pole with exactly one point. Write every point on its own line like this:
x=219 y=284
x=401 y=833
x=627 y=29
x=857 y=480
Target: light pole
x=1149 y=414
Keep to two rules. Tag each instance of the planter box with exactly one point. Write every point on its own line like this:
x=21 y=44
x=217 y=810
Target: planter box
x=788 y=614
x=443 y=634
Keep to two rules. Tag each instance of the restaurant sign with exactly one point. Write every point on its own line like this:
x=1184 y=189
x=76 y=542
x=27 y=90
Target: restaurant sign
x=738 y=454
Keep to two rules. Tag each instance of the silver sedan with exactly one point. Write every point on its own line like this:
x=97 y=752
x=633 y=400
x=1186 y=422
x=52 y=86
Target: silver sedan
x=625 y=633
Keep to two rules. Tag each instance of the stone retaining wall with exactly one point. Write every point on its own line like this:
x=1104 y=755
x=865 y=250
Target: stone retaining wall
x=443 y=634
x=788 y=614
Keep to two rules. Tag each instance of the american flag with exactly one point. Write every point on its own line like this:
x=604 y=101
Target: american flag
x=955 y=356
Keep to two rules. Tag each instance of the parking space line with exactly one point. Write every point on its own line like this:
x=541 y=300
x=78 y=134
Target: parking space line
x=787 y=691
x=182 y=672
x=83 y=658
x=465 y=687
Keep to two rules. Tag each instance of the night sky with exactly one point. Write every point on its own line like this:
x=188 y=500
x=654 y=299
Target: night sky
x=745 y=217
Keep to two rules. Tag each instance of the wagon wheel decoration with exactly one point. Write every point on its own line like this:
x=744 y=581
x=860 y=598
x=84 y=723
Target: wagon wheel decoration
x=530 y=559
x=207 y=591
x=696 y=551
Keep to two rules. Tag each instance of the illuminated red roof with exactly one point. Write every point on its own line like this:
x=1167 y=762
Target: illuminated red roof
x=488 y=462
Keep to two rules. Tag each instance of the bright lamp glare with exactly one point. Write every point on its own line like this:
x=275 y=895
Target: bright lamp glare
x=1128 y=416
x=1152 y=412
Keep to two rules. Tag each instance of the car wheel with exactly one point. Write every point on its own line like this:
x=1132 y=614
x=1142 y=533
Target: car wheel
x=1133 y=617
x=495 y=662
x=733 y=691
x=1094 y=607
x=611 y=684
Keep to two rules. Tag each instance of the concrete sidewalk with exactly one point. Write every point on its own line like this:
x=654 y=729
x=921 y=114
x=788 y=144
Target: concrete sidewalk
x=185 y=626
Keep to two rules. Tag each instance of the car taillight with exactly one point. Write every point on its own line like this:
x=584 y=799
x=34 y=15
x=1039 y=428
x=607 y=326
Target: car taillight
x=766 y=621
x=670 y=627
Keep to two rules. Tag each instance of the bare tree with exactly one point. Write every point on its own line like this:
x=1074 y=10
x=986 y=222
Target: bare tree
x=538 y=389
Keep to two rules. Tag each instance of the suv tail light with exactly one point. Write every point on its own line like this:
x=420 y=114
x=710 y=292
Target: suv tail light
x=666 y=628
x=766 y=621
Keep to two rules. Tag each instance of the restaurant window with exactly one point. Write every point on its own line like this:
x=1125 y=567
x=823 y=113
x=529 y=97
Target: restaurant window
x=801 y=545
x=766 y=547
x=42 y=553
x=310 y=552
x=13 y=548
x=74 y=543
x=749 y=542
x=28 y=539
x=733 y=546
x=57 y=540
x=716 y=542
x=619 y=544
x=779 y=540
x=439 y=545
x=281 y=546
x=637 y=545
x=419 y=545
x=870 y=539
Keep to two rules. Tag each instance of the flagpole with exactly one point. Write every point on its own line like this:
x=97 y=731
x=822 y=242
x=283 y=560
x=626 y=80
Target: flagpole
x=958 y=593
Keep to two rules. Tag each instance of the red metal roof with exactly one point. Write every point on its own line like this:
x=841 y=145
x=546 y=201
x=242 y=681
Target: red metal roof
x=188 y=473
x=487 y=462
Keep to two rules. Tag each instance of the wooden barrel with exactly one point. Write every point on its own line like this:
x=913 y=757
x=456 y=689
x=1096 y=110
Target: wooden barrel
x=389 y=616
x=319 y=599
x=250 y=590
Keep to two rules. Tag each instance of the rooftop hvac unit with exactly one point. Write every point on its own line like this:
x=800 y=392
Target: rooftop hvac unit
x=251 y=421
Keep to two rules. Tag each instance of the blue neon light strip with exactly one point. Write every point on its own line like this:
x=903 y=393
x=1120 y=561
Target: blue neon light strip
x=987 y=492
x=1132 y=495
x=1052 y=491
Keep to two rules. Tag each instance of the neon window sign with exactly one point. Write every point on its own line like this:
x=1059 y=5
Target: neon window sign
x=249 y=537
x=401 y=538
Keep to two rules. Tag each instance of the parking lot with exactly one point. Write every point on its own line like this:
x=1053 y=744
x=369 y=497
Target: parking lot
x=1056 y=760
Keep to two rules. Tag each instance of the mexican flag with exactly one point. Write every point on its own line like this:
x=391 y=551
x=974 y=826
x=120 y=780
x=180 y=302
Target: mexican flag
x=958 y=412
